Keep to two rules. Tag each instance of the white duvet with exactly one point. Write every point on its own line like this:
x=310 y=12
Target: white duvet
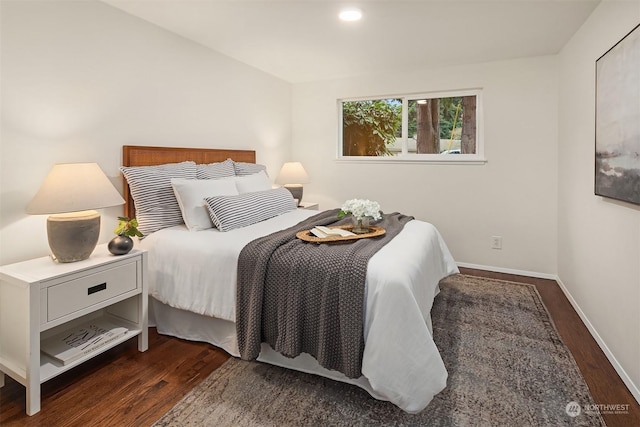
x=196 y=272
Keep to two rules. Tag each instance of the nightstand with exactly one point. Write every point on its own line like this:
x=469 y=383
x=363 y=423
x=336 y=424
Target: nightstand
x=309 y=206
x=40 y=298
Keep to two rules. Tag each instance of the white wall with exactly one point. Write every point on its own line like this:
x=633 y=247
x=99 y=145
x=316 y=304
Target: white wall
x=81 y=79
x=514 y=195
x=598 y=238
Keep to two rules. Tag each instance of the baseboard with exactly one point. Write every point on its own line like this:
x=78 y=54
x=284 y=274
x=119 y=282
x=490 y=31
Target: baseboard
x=509 y=271
x=603 y=346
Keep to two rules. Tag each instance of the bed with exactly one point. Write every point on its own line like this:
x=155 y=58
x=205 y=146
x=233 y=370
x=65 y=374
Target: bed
x=192 y=277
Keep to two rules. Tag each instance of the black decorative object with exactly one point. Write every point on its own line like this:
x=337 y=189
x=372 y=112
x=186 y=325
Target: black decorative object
x=120 y=245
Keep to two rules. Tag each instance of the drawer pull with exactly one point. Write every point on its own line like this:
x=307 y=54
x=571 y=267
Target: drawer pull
x=97 y=288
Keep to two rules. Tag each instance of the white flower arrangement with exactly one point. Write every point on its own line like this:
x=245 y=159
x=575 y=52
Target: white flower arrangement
x=360 y=209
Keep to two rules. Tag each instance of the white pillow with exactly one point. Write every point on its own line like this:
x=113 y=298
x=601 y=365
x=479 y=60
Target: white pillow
x=252 y=183
x=231 y=212
x=191 y=193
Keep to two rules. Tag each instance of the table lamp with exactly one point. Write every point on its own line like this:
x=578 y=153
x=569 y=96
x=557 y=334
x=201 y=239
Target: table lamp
x=292 y=176
x=70 y=193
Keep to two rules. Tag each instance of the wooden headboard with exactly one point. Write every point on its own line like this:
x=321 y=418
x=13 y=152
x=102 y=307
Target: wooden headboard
x=134 y=155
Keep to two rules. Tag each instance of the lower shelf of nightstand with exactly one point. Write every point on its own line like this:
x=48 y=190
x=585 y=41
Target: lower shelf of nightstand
x=49 y=367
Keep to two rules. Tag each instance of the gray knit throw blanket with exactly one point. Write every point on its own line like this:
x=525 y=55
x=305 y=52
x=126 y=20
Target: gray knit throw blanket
x=307 y=297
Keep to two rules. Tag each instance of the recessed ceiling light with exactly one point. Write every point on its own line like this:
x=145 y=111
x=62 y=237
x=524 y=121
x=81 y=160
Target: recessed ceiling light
x=350 y=14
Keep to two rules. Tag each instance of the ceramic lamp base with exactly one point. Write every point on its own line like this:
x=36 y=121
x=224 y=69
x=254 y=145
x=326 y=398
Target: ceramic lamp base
x=73 y=236
x=296 y=191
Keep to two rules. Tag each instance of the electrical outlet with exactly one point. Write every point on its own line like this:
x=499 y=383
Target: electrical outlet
x=496 y=242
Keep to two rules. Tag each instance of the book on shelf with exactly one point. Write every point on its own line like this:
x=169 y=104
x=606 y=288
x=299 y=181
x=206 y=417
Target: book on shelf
x=77 y=342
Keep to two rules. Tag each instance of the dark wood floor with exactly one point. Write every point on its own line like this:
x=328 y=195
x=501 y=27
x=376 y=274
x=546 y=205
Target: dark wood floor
x=123 y=387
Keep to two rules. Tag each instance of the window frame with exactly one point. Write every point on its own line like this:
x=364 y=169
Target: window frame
x=404 y=156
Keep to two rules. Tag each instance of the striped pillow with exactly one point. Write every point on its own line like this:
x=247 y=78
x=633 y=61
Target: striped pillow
x=150 y=186
x=215 y=170
x=231 y=212
x=243 y=169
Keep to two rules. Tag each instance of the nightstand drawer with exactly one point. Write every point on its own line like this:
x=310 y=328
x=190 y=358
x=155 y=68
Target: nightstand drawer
x=86 y=291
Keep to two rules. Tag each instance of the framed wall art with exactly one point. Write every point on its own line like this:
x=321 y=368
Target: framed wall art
x=617 y=157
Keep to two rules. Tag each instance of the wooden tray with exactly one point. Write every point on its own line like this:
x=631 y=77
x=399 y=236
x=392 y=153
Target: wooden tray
x=308 y=237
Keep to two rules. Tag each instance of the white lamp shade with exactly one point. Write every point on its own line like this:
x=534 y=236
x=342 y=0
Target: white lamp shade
x=74 y=187
x=292 y=173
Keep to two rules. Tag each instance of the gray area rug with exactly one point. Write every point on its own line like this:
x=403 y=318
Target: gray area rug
x=507 y=367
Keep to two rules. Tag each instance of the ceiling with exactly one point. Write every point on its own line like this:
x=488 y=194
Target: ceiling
x=303 y=40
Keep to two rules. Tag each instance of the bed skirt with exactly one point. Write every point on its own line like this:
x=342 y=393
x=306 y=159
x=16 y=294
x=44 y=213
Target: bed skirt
x=222 y=334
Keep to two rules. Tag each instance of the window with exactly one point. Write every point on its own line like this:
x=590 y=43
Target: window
x=423 y=127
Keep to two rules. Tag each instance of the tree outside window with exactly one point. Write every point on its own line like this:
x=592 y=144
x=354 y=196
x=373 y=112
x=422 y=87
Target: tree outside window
x=441 y=125
x=370 y=127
